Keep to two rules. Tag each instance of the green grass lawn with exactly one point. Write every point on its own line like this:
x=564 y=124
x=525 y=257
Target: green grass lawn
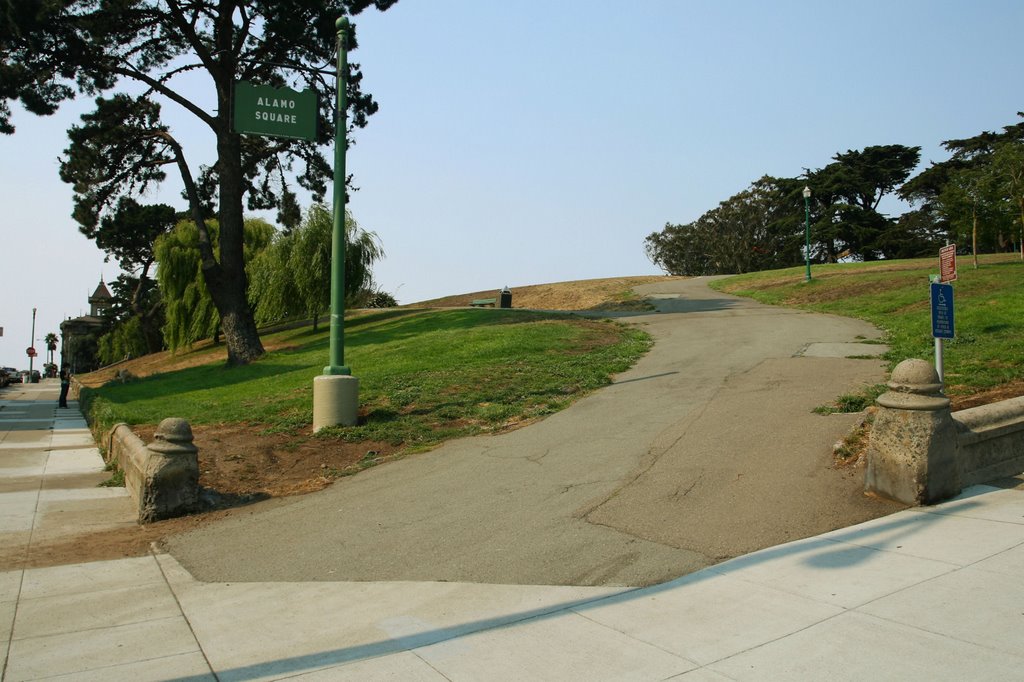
x=988 y=351
x=425 y=376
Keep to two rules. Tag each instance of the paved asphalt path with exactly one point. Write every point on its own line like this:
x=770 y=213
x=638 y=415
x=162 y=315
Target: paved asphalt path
x=705 y=450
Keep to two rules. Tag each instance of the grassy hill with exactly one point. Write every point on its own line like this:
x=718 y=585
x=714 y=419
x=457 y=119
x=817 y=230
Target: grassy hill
x=611 y=293
x=425 y=376
x=985 y=361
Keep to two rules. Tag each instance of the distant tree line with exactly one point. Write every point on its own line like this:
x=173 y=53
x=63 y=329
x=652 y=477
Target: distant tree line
x=975 y=198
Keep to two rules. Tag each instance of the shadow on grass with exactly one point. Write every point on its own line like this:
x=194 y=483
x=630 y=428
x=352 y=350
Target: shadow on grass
x=374 y=328
x=189 y=379
x=280 y=373
x=444 y=320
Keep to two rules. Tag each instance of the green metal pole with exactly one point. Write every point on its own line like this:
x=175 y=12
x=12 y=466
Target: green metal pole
x=337 y=351
x=807 y=236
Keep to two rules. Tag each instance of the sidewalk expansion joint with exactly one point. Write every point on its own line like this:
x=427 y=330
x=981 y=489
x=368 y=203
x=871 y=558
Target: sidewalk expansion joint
x=184 y=616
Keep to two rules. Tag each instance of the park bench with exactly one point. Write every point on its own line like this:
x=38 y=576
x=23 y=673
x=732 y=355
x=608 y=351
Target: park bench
x=481 y=302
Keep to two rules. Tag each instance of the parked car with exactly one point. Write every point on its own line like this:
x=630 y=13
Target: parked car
x=3 y=377
x=13 y=375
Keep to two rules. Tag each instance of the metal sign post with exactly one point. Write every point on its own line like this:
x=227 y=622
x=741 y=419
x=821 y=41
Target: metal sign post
x=943 y=324
x=283 y=112
x=337 y=348
x=942 y=303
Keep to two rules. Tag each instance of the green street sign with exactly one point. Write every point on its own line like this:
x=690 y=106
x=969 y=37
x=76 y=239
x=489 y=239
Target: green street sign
x=277 y=112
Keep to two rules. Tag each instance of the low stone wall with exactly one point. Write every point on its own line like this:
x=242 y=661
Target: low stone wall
x=990 y=441
x=162 y=477
x=921 y=453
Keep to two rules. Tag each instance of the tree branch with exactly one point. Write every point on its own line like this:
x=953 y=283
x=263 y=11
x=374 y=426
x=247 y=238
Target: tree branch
x=243 y=31
x=166 y=77
x=130 y=71
x=205 y=246
x=188 y=30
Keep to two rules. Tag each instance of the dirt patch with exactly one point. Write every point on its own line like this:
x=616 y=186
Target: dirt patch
x=105 y=545
x=238 y=466
x=1014 y=389
x=239 y=463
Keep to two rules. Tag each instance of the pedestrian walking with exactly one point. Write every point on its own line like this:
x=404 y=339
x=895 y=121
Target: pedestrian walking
x=65 y=384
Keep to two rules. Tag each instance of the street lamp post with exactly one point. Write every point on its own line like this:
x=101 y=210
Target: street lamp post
x=336 y=391
x=337 y=346
x=807 y=232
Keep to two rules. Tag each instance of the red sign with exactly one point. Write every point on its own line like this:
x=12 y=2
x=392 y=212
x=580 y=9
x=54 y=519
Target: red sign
x=947 y=263
x=30 y=351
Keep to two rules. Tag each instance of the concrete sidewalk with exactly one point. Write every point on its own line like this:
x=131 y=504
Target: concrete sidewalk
x=923 y=594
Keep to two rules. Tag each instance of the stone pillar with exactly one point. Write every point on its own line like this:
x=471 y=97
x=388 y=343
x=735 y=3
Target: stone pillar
x=912 y=454
x=171 y=485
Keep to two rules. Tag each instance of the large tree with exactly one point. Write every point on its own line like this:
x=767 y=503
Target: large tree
x=129 y=235
x=971 y=195
x=54 y=50
x=756 y=229
x=1008 y=168
x=847 y=194
x=974 y=205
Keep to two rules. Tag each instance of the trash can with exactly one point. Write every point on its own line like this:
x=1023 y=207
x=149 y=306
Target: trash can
x=505 y=300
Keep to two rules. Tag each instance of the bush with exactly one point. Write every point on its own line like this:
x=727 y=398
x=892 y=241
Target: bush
x=381 y=299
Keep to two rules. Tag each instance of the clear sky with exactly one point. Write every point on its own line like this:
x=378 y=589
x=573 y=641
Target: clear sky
x=538 y=141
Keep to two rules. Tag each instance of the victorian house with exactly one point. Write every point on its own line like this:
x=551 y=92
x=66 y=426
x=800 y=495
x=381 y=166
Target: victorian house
x=79 y=335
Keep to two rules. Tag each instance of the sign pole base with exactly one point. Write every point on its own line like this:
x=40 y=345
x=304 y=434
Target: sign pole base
x=335 y=401
x=939 y=361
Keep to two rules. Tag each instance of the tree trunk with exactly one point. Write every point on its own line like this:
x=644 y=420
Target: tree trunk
x=225 y=280
x=1020 y=202
x=227 y=283
x=974 y=237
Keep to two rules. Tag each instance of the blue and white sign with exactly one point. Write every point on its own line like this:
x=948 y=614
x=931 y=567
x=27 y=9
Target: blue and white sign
x=942 y=311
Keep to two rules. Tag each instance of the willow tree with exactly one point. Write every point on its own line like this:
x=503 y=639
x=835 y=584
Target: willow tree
x=293 y=276
x=191 y=313
x=146 y=51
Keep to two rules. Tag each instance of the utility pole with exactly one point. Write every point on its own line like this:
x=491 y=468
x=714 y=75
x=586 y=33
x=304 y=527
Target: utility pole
x=32 y=345
x=336 y=391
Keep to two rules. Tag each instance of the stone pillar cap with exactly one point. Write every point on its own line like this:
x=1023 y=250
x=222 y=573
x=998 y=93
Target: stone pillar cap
x=915 y=376
x=173 y=435
x=914 y=385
